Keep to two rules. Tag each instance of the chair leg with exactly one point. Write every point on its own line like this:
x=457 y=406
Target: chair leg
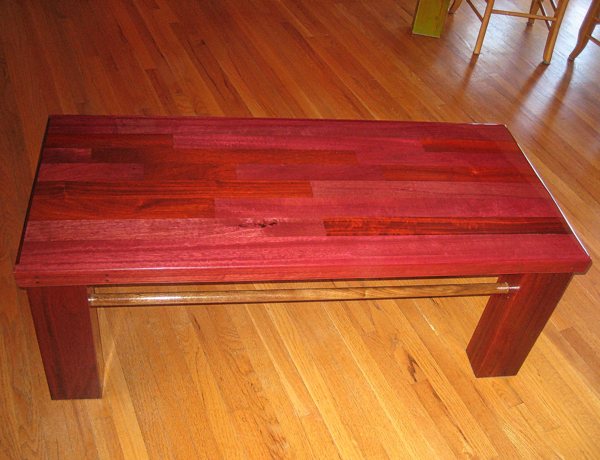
x=535 y=7
x=586 y=29
x=484 y=24
x=553 y=34
x=454 y=6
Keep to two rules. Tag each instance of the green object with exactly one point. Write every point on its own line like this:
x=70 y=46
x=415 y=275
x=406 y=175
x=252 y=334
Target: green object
x=430 y=16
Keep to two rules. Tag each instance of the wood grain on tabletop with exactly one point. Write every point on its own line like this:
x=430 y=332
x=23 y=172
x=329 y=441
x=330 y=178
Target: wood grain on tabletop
x=272 y=221
x=352 y=379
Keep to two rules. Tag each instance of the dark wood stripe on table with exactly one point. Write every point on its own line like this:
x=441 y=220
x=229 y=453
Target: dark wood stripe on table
x=412 y=205
x=99 y=140
x=442 y=226
x=161 y=155
x=166 y=189
x=115 y=172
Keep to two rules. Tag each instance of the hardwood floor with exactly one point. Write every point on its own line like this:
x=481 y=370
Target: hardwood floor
x=385 y=379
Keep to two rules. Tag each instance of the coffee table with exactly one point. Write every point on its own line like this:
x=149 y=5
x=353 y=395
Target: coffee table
x=153 y=201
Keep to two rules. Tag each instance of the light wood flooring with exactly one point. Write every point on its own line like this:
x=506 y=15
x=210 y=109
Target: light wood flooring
x=339 y=380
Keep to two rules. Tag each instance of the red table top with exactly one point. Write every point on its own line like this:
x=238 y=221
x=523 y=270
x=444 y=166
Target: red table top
x=121 y=200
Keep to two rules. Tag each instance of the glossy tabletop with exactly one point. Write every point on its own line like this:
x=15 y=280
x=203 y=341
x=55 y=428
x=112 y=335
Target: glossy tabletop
x=121 y=200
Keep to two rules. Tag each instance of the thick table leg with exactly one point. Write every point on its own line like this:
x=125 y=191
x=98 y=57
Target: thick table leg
x=67 y=333
x=429 y=17
x=511 y=323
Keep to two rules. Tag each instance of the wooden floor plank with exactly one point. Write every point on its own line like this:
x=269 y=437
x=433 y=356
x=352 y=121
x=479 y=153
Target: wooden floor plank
x=176 y=377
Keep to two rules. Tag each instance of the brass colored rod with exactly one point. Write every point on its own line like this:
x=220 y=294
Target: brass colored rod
x=294 y=295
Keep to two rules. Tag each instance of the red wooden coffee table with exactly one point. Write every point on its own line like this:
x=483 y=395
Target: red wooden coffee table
x=132 y=201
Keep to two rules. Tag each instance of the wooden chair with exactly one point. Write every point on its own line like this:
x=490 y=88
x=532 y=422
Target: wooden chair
x=592 y=18
x=553 y=19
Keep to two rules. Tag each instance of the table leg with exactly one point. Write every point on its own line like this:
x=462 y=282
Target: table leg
x=67 y=333
x=429 y=18
x=511 y=323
